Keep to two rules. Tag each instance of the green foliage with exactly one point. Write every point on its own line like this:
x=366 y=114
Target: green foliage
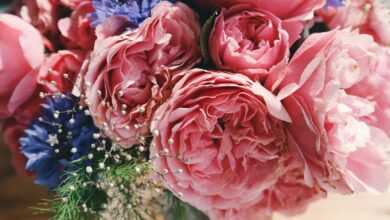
x=179 y=210
x=85 y=196
x=204 y=39
x=4 y=5
x=76 y=196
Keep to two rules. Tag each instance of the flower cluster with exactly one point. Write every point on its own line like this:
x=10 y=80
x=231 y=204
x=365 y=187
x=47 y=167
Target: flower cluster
x=240 y=113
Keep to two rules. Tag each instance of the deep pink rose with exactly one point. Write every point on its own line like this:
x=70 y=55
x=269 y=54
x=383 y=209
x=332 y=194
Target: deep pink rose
x=42 y=14
x=334 y=90
x=284 y=9
x=128 y=75
x=77 y=28
x=248 y=41
x=219 y=142
x=73 y=4
x=368 y=16
x=59 y=71
x=18 y=60
x=12 y=130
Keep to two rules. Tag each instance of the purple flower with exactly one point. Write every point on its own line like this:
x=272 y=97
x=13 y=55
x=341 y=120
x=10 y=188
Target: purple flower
x=335 y=3
x=135 y=11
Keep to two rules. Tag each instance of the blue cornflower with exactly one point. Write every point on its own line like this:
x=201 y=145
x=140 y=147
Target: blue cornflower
x=334 y=3
x=63 y=133
x=135 y=11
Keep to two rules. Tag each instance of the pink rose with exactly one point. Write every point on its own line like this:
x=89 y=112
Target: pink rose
x=293 y=14
x=248 y=41
x=60 y=71
x=219 y=142
x=284 y=9
x=57 y=73
x=290 y=195
x=128 y=75
x=368 y=16
x=18 y=60
x=114 y=25
x=13 y=129
x=43 y=14
x=334 y=91
x=77 y=28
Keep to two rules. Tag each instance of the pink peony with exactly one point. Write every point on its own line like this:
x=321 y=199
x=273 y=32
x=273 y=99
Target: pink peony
x=249 y=41
x=368 y=16
x=127 y=75
x=284 y=9
x=60 y=71
x=335 y=90
x=18 y=60
x=220 y=142
x=77 y=28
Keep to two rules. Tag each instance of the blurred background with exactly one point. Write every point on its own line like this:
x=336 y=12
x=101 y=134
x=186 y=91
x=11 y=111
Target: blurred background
x=17 y=194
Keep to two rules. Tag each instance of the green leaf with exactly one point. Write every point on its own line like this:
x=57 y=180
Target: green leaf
x=4 y=5
x=204 y=38
x=179 y=210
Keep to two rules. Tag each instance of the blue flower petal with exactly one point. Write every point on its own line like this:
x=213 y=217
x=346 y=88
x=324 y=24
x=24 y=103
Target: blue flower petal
x=69 y=126
x=135 y=11
x=335 y=3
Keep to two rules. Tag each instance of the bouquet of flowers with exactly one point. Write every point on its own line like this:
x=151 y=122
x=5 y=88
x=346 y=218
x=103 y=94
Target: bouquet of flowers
x=198 y=109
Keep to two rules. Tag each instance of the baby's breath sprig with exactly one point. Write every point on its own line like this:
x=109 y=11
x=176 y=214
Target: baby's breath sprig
x=114 y=183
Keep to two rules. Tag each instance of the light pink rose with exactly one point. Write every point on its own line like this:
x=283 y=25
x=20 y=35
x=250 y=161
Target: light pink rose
x=77 y=28
x=18 y=60
x=127 y=75
x=290 y=195
x=59 y=71
x=338 y=110
x=248 y=41
x=114 y=25
x=219 y=142
x=42 y=14
x=284 y=9
x=296 y=189
x=368 y=16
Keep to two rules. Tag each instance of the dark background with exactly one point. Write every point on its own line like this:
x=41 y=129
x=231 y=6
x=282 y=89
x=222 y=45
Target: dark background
x=17 y=194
